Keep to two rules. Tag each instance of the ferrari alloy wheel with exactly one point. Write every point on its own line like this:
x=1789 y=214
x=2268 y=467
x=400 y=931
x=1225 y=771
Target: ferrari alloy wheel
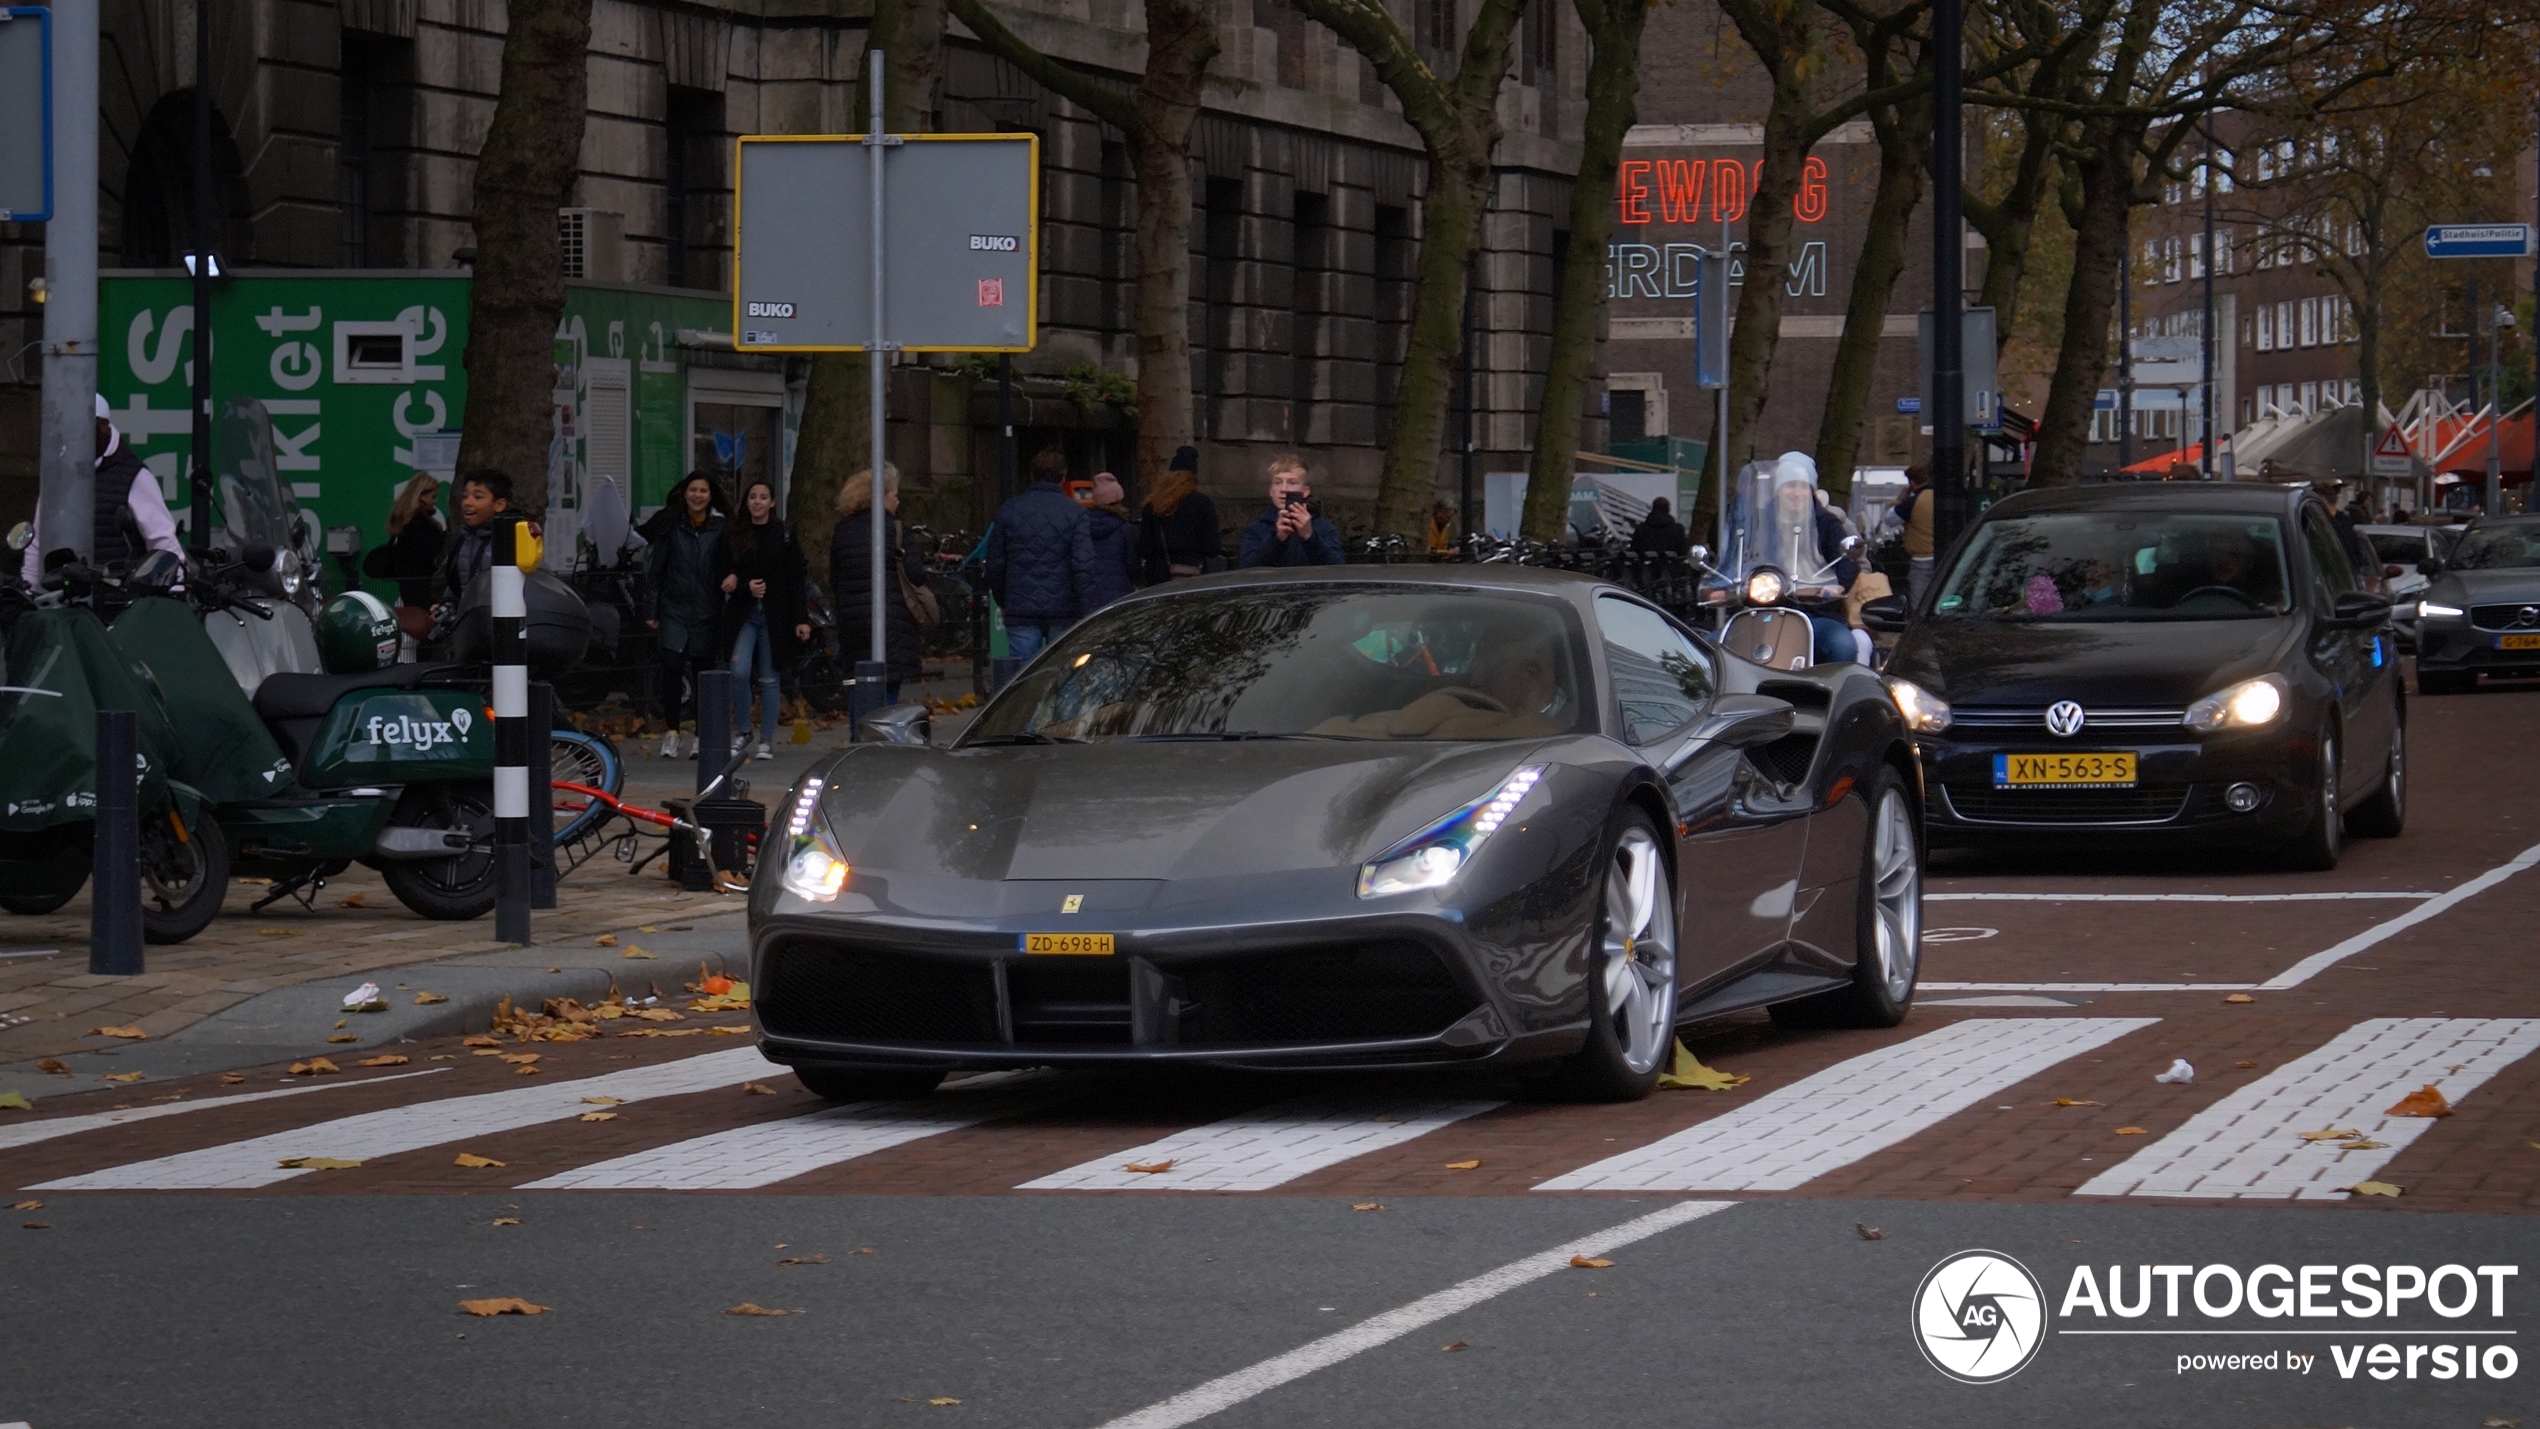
x=1888 y=927
x=2385 y=814
x=1632 y=990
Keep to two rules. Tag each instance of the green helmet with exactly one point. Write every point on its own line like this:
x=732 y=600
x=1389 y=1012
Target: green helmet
x=356 y=634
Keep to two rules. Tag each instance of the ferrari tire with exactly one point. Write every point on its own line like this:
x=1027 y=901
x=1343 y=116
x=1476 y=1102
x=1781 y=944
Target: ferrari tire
x=182 y=880
x=2385 y=814
x=1887 y=936
x=1632 y=986
x=855 y=1084
x=2322 y=840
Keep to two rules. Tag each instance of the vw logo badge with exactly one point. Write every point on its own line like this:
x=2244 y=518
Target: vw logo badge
x=2065 y=717
x=1979 y=1317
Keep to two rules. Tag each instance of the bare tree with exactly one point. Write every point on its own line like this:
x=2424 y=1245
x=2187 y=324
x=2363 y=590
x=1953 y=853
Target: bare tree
x=1457 y=119
x=525 y=172
x=1157 y=119
x=1613 y=90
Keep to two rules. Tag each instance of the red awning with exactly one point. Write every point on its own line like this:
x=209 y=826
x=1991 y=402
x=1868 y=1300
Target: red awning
x=2160 y=465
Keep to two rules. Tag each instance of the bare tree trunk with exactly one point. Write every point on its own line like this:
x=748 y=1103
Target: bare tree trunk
x=1181 y=41
x=1904 y=148
x=2008 y=223
x=1458 y=124
x=835 y=439
x=525 y=172
x=2107 y=178
x=1613 y=90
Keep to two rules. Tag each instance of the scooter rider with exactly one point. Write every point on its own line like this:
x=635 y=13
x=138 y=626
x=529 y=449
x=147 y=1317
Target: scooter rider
x=131 y=516
x=1799 y=536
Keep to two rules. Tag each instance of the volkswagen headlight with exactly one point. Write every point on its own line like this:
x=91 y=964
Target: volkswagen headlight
x=814 y=869
x=1765 y=586
x=1924 y=712
x=2251 y=704
x=1432 y=857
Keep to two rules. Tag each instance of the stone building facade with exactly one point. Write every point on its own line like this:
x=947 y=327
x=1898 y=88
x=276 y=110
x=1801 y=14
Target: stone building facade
x=346 y=131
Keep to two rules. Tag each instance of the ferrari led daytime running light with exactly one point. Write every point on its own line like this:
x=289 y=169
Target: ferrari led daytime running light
x=1432 y=858
x=1924 y=712
x=806 y=802
x=2251 y=704
x=813 y=869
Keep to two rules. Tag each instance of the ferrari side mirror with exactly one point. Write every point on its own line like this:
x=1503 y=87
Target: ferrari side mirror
x=899 y=724
x=1886 y=615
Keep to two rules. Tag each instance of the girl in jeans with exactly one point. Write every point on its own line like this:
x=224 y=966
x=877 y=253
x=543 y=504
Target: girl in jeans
x=760 y=572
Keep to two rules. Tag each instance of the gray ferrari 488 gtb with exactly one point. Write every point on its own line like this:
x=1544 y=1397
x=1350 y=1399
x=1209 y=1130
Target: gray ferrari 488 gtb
x=1410 y=817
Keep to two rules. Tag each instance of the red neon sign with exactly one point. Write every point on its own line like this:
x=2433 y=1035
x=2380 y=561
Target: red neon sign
x=1680 y=185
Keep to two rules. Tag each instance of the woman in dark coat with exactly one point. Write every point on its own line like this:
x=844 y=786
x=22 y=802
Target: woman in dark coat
x=851 y=581
x=413 y=547
x=1177 y=531
x=1115 y=538
x=759 y=569
x=681 y=604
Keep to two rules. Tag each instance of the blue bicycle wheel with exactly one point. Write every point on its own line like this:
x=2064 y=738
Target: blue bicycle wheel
x=589 y=760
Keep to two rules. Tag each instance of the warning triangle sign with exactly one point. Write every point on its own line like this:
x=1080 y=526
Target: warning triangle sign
x=2393 y=443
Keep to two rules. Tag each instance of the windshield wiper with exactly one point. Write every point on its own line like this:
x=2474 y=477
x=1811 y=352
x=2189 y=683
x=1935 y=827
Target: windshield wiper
x=1026 y=737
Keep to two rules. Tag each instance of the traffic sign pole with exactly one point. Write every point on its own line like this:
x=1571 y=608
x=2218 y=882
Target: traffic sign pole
x=67 y=454
x=873 y=673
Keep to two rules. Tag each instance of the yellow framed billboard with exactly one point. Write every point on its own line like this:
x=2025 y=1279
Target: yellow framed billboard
x=960 y=244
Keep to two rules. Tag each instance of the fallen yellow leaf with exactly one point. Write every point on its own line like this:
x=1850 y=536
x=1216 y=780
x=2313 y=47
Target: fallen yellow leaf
x=15 y=1101
x=658 y=1014
x=599 y=1116
x=318 y=1163
x=606 y=1101
x=605 y=940
x=521 y=1058
x=1582 y=1262
x=804 y=1260
x=505 y=1221
x=473 y=1161
x=480 y=1040
x=426 y=999
x=2240 y=997
x=344 y=1037
x=350 y=900
x=53 y=1066
x=1866 y=1231
x=2068 y=1101
x=742 y=1031
x=502 y=1305
x=313 y=1067
x=2424 y=1101
x=646 y=928
x=1366 y=1205
x=2132 y=1131
x=1149 y=1168
x=749 y=1308
x=126 y=1076
x=1463 y=1165
x=2244 y=1066
x=277 y=932
x=634 y=951
x=2363 y=1143
x=667 y=1032
x=943 y=1401
x=757 y=1089
x=389 y=1060
x=27 y=1206
x=342 y=1022
x=2334 y=1133
x=134 y=1034
x=1453 y=1346
x=2371 y=1188
x=1687 y=1073
x=526 y=1071
x=232 y=1078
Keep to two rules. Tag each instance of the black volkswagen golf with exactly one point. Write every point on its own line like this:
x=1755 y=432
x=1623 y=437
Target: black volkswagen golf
x=2156 y=663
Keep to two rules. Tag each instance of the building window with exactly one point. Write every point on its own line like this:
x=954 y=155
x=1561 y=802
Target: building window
x=2222 y=250
x=2266 y=327
x=1222 y=235
x=1437 y=24
x=2354 y=392
x=1394 y=258
x=2170 y=265
x=2310 y=398
x=1538 y=42
x=2306 y=313
x=1309 y=242
x=692 y=148
x=2284 y=325
x=374 y=93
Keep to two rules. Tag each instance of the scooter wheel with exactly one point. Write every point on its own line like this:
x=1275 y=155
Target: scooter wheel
x=450 y=889
x=182 y=880
x=36 y=905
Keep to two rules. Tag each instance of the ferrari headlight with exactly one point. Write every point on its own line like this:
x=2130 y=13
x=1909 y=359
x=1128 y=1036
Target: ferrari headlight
x=1924 y=712
x=814 y=871
x=1765 y=585
x=2251 y=704
x=1432 y=857
x=2435 y=610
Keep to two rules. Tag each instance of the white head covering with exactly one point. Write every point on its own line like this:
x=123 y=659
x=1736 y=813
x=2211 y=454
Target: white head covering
x=1792 y=543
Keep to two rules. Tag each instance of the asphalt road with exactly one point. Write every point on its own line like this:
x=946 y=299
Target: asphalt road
x=1244 y=1288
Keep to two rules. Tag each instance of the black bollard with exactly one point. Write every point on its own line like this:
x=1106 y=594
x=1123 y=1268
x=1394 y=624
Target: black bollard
x=695 y=869
x=542 y=796
x=114 y=870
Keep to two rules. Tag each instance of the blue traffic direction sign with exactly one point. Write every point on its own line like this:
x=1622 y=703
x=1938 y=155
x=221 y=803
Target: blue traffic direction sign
x=2478 y=240
x=26 y=113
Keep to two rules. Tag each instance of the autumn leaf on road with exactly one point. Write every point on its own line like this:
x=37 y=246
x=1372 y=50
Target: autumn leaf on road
x=504 y=1221
x=747 y=1307
x=473 y=1161
x=426 y=999
x=2371 y=1188
x=389 y=1060
x=2424 y=1101
x=599 y=1116
x=27 y=1206
x=15 y=1101
x=2132 y=1131
x=1149 y=1168
x=54 y=1066
x=134 y=1034
x=501 y=1305
x=1366 y=1205
x=1688 y=1074
x=317 y=1163
x=2334 y=1133
x=2068 y=1101
x=1464 y=1165
x=313 y=1067
x=2363 y=1143
x=2240 y=997
x=1867 y=1231
x=605 y=940
x=634 y=951
x=659 y=1014
x=350 y=900
x=1452 y=1346
x=136 y=1076
x=757 y=1089
x=344 y=1037
x=2245 y=1066
x=804 y=1260
x=1583 y=1262
x=480 y=1040
x=231 y=1079
x=277 y=932
x=605 y=1101
x=521 y=1058
x=943 y=1401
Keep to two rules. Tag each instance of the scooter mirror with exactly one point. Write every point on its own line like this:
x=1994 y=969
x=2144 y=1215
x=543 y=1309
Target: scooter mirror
x=256 y=556
x=21 y=536
x=1700 y=554
x=1850 y=544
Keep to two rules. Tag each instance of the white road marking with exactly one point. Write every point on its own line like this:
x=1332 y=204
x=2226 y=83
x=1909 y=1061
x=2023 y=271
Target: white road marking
x=15 y=1135
x=1851 y=1109
x=748 y=1157
x=1265 y=1148
x=1227 y=1391
x=2301 y=972
x=245 y=1165
x=2249 y=1144
x=2021 y=999
x=2162 y=897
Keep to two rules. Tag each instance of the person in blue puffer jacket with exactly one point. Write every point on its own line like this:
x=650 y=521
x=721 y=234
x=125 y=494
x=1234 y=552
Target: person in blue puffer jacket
x=1041 y=559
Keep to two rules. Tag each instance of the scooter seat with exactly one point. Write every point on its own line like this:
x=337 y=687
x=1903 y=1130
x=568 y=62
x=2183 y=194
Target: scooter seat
x=292 y=696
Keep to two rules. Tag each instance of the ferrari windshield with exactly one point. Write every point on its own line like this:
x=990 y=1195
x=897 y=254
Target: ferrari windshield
x=2498 y=545
x=1302 y=661
x=2119 y=566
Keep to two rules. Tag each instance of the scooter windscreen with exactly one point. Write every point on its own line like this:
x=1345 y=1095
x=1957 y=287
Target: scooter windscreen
x=1773 y=522
x=258 y=507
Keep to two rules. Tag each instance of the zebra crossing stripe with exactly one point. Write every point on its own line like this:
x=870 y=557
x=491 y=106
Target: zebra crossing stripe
x=1265 y=1148
x=2249 y=1145
x=246 y=1165
x=12 y=1137
x=748 y=1157
x=1852 y=1109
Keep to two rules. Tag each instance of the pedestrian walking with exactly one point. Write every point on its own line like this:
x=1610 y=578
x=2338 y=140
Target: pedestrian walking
x=1914 y=511
x=1659 y=534
x=1115 y=537
x=851 y=582
x=1178 y=535
x=762 y=627
x=1041 y=559
x=1288 y=532
x=681 y=603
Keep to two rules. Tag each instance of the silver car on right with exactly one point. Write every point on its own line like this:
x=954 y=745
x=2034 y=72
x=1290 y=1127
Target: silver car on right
x=2480 y=613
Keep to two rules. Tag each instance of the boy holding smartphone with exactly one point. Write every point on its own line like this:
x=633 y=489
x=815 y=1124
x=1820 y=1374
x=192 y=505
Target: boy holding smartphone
x=1289 y=533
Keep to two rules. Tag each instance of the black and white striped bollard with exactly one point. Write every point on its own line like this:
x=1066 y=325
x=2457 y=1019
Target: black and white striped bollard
x=509 y=628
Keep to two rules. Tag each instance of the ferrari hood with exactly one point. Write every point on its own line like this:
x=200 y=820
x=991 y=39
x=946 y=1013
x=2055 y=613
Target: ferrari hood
x=1141 y=810
x=2151 y=663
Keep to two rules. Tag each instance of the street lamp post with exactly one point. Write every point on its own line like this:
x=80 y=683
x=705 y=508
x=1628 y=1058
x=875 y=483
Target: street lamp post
x=1948 y=278
x=202 y=263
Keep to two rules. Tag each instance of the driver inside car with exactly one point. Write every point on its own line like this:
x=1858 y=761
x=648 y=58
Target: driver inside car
x=1515 y=693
